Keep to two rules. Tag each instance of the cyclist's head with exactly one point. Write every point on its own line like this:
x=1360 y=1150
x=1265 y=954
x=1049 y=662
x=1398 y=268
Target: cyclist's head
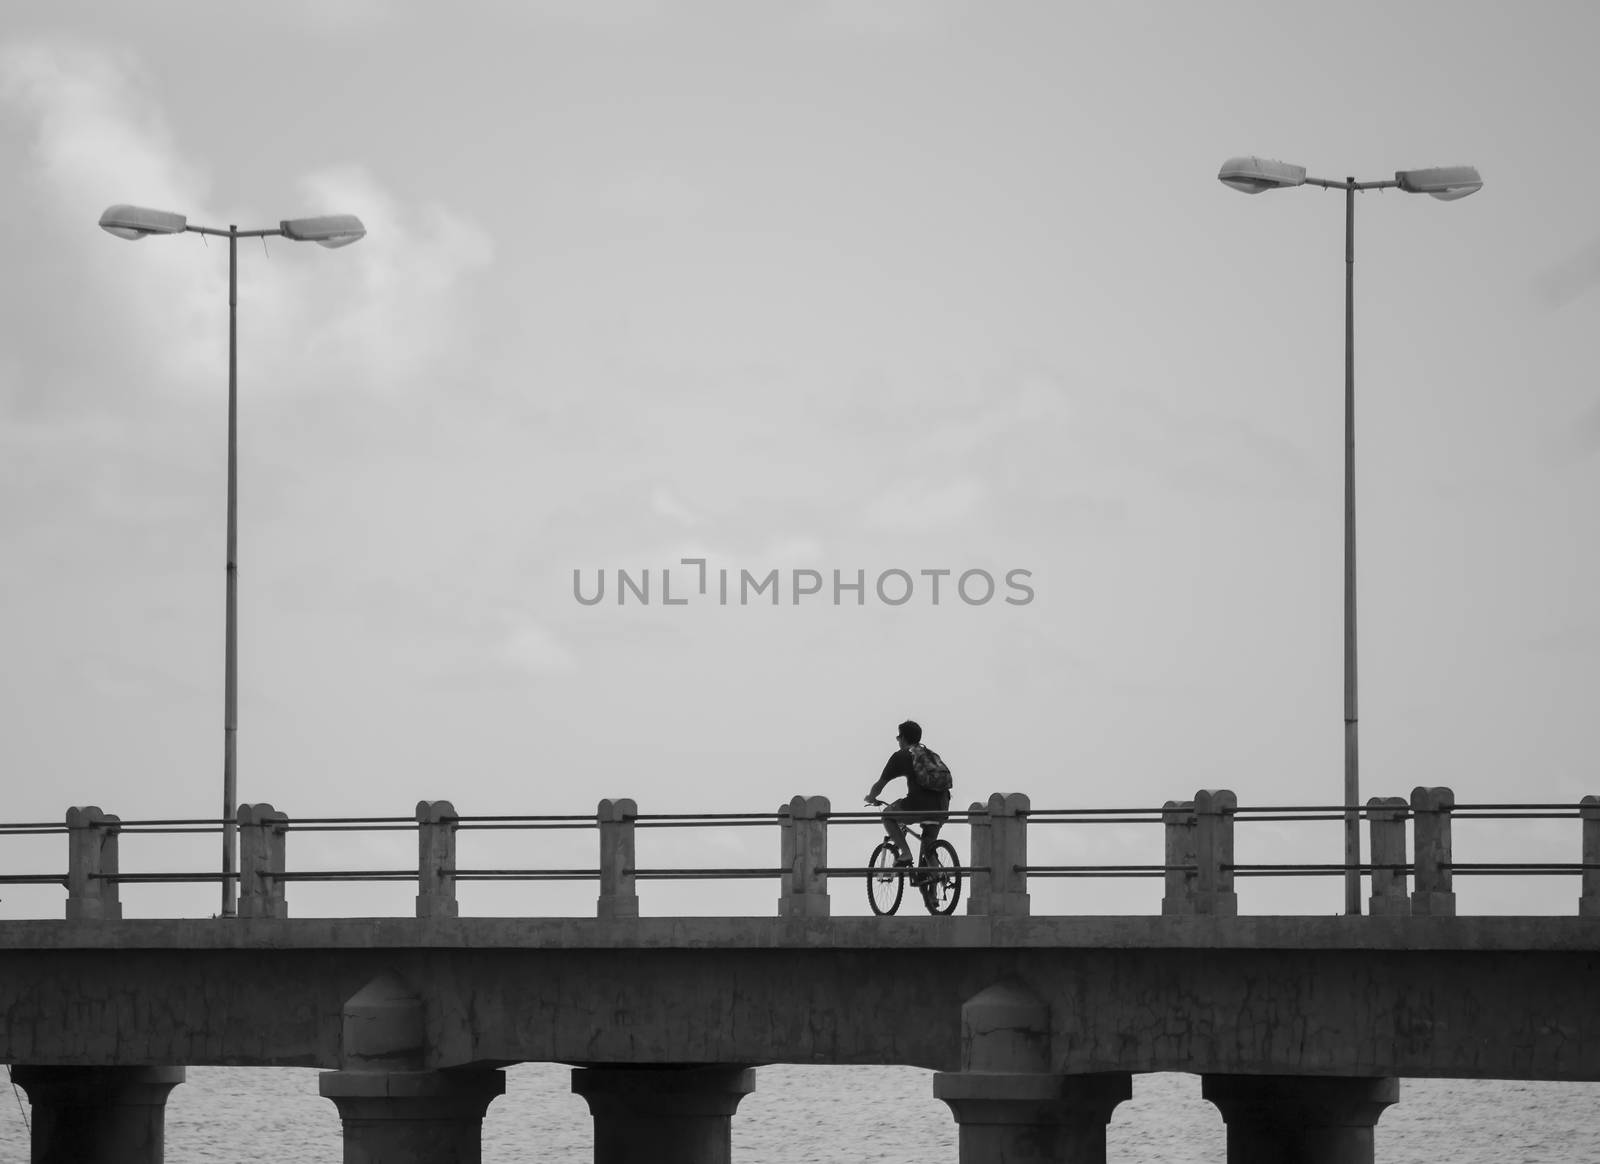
x=911 y=732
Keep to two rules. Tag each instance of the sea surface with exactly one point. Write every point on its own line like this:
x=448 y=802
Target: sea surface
x=801 y=1115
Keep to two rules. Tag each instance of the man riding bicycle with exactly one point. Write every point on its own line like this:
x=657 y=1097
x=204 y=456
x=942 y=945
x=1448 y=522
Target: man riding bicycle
x=917 y=798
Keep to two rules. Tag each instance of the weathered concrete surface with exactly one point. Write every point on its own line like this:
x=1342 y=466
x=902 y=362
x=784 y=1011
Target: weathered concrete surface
x=1374 y=996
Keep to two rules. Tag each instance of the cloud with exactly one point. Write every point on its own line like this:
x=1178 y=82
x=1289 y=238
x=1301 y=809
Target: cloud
x=1571 y=279
x=406 y=308
x=334 y=17
x=882 y=17
x=98 y=138
x=533 y=648
x=392 y=309
x=669 y=506
x=651 y=197
x=96 y=124
x=925 y=503
x=793 y=551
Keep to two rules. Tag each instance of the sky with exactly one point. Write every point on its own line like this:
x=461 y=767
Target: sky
x=837 y=286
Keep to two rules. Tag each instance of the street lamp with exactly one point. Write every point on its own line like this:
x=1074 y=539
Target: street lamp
x=1254 y=176
x=333 y=230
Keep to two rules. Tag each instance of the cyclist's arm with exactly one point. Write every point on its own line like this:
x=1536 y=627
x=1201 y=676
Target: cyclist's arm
x=895 y=768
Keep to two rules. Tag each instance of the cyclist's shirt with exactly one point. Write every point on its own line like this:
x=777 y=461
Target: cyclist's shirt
x=917 y=797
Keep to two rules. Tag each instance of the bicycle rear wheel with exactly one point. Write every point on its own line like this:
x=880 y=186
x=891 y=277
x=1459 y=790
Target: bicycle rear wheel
x=885 y=883
x=941 y=883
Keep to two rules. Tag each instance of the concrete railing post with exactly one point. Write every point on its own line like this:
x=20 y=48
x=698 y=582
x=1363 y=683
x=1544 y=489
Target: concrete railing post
x=1589 y=903
x=1007 y=880
x=1213 y=844
x=1433 y=895
x=262 y=833
x=437 y=821
x=617 y=896
x=803 y=849
x=1178 y=821
x=1012 y=1108
x=978 y=882
x=92 y=890
x=1386 y=820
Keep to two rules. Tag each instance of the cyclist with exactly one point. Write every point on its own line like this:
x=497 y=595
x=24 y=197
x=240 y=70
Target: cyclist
x=916 y=799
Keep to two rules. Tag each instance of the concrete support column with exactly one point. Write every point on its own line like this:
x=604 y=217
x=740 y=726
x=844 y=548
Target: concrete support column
x=1386 y=819
x=1434 y=895
x=1589 y=903
x=1178 y=824
x=1004 y=891
x=1011 y=1108
x=804 y=857
x=98 y=1115
x=92 y=890
x=262 y=833
x=1281 y=1119
x=413 y=1117
x=978 y=882
x=617 y=896
x=394 y=1110
x=663 y=1114
x=1213 y=843
x=1010 y=1118
x=437 y=821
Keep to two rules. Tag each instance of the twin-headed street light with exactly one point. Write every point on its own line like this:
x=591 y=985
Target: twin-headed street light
x=332 y=230
x=1254 y=175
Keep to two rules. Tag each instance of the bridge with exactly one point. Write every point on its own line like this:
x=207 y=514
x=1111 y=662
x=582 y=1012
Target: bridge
x=1300 y=1026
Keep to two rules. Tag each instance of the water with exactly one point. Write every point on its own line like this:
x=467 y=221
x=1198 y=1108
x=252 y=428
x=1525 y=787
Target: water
x=818 y=1115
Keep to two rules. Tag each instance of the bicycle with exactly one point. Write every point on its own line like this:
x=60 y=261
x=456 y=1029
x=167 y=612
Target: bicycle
x=937 y=875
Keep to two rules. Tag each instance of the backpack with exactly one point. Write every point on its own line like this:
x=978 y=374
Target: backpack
x=930 y=772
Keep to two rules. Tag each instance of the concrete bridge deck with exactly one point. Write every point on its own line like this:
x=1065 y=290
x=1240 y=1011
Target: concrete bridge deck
x=1484 y=997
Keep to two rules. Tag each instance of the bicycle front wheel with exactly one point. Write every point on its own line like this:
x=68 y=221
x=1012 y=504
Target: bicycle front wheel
x=885 y=883
x=941 y=883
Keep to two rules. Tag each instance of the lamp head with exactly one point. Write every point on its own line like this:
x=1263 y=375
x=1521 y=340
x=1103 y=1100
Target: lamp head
x=134 y=222
x=1446 y=183
x=328 y=230
x=1252 y=175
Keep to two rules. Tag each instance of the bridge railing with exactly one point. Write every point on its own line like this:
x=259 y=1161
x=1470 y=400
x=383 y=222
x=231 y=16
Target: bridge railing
x=1198 y=866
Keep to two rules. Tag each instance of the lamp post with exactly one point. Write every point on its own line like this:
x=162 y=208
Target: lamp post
x=334 y=230
x=1254 y=175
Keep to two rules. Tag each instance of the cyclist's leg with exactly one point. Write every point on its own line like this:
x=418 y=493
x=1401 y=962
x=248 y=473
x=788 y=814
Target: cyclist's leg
x=897 y=830
x=931 y=824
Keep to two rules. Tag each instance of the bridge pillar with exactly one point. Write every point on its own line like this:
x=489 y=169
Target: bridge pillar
x=1021 y=1118
x=1178 y=818
x=804 y=857
x=1434 y=895
x=1284 y=1119
x=413 y=1117
x=98 y=1115
x=437 y=821
x=394 y=1111
x=1589 y=902
x=1010 y=1107
x=262 y=833
x=617 y=895
x=664 y=1114
x=1386 y=817
x=92 y=888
